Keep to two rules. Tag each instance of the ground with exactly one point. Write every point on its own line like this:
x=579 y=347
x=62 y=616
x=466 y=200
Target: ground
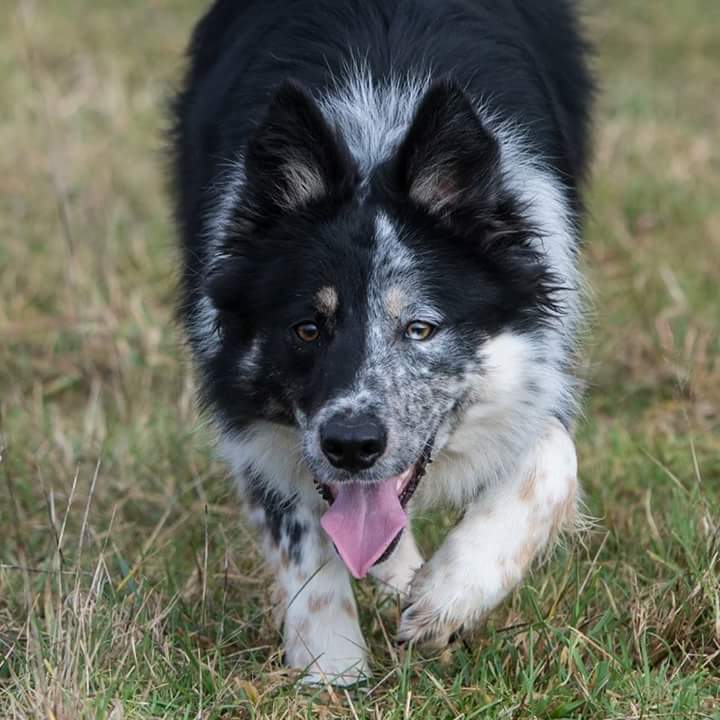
x=130 y=589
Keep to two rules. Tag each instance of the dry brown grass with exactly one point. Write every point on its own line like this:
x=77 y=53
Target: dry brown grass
x=129 y=588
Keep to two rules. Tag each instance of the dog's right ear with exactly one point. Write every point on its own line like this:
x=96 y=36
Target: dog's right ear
x=294 y=158
x=448 y=162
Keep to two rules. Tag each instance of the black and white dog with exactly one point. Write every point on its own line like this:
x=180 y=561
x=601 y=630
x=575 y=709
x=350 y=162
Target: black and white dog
x=379 y=208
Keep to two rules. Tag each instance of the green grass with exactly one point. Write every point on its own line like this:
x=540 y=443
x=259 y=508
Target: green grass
x=129 y=586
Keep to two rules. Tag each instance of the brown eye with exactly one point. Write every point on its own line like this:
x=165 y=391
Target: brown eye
x=419 y=330
x=307 y=332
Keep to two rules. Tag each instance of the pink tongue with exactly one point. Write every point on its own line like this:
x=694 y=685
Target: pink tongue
x=362 y=522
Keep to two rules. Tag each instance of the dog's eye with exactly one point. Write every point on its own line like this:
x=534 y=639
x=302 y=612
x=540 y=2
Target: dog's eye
x=308 y=332
x=419 y=330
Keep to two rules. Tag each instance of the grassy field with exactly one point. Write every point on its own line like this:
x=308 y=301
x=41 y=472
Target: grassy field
x=129 y=588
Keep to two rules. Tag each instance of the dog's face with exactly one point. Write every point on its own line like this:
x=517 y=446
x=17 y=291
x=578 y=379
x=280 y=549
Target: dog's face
x=361 y=309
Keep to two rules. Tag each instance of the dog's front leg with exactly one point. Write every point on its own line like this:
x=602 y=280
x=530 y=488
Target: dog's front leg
x=313 y=598
x=487 y=554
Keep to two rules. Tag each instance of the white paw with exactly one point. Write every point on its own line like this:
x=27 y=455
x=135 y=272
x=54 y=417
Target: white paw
x=341 y=665
x=434 y=612
x=340 y=676
x=323 y=639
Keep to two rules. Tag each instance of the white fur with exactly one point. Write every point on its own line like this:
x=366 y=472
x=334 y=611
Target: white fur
x=275 y=452
x=225 y=194
x=325 y=643
x=491 y=549
x=314 y=603
x=501 y=419
x=304 y=183
x=371 y=116
x=395 y=574
x=202 y=328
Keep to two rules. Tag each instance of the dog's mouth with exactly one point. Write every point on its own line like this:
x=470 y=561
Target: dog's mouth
x=365 y=520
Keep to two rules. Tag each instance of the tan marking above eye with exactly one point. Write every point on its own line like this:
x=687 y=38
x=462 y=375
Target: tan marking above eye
x=419 y=330
x=327 y=300
x=308 y=332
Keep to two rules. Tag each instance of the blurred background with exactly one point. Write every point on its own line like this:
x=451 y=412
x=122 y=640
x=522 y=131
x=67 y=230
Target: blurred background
x=128 y=585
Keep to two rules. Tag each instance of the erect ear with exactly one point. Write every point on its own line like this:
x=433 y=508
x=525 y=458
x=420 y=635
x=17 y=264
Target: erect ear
x=294 y=157
x=448 y=161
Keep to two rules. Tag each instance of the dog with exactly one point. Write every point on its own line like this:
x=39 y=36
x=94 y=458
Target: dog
x=379 y=206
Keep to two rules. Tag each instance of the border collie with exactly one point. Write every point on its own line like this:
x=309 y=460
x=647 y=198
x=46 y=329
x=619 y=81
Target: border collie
x=379 y=210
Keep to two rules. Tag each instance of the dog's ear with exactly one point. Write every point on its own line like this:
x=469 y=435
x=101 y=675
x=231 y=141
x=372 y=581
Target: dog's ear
x=448 y=161
x=294 y=157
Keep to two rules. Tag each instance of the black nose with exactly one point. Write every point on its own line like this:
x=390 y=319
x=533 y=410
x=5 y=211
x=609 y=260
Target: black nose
x=353 y=443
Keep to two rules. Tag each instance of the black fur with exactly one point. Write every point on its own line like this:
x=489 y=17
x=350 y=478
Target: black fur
x=254 y=69
x=279 y=515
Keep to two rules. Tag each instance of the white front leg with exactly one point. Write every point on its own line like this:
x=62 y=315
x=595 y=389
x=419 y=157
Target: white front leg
x=313 y=599
x=489 y=552
x=321 y=629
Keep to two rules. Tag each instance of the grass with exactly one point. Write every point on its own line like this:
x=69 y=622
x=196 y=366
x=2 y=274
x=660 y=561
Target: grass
x=129 y=586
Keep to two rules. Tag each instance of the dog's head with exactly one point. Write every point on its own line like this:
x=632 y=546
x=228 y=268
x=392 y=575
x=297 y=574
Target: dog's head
x=363 y=309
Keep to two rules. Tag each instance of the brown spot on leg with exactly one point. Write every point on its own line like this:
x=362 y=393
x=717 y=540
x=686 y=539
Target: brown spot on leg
x=565 y=513
x=349 y=607
x=527 y=552
x=320 y=602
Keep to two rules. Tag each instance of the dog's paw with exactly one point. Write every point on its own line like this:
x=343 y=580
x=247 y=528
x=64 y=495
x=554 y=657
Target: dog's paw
x=424 y=624
x=337 y=674
x=432 y=616
x=324 y=641
x=343 y=665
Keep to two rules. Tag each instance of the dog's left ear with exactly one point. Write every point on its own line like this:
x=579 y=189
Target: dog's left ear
x=448 y=161
x=294 y=157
